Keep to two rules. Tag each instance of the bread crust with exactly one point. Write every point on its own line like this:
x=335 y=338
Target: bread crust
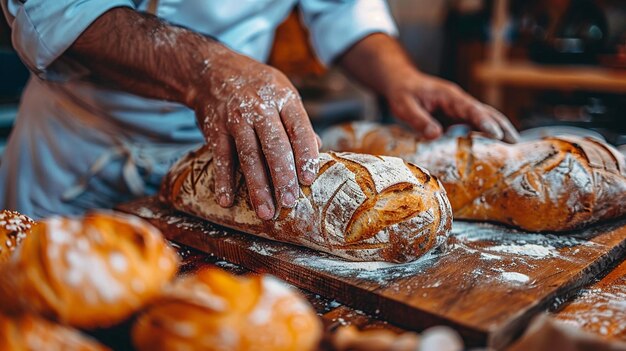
x=87 y=272
x=14 y=227
x=214 y=310
x=360 y=207
x=553 y=184
x=31 y=333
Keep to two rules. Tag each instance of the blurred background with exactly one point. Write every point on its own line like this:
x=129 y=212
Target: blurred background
x=542 y=62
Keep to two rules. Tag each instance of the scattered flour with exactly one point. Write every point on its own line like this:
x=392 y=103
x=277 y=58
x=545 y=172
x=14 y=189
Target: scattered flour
x=147 y=213
x=377 y=272
x=263 y=248
x=515 y=277
x=533 y=250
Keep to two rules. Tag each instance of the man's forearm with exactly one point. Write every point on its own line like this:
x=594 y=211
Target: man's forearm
x=377 y=61
x=141 y=54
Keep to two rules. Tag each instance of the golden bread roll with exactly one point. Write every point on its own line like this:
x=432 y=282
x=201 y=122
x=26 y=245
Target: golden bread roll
x=554 y=184
x=14 y=227
x=30 y=333
x=360 y=207
x=87 y=272
x=216 y=311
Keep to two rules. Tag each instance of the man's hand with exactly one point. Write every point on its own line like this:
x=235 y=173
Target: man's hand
x=379 y=62
x=251 y=112
x=248 y=111
x=414 y=96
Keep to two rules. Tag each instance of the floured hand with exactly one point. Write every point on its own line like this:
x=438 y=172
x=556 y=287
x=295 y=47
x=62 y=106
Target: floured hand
x=247 y=110
x=250 y=112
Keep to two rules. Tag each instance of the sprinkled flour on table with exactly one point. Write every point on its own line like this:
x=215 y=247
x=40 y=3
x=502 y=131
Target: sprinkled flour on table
x=509 y=254
x=515 y=277
x=533 y=250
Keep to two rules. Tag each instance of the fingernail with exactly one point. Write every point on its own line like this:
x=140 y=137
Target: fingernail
x=309 y=177
x=265 y=212
x=309 y=171
x=431 y=131
x=492 y=129
x=288 y=200
x=224 y=200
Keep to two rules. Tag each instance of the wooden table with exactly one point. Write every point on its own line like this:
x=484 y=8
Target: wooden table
x=504 y=315
x=599 y=309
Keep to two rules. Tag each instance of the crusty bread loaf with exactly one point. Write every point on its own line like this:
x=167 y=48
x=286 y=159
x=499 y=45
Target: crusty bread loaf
x=553 y=184
x=360 y=207
x=87 y=272
x=214 y=310
x=30 y=333
x=14 y=227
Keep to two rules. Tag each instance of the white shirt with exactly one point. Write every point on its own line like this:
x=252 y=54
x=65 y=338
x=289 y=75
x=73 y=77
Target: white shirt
x=77 y=145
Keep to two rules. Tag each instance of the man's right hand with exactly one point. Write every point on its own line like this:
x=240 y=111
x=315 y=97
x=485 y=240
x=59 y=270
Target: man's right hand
x=250 y=112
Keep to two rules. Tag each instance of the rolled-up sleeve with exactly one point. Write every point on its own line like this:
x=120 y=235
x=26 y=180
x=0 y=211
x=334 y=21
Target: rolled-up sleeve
x=335 y=25
x=42 y=30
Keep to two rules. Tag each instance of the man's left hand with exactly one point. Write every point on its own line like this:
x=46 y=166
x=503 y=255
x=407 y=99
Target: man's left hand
x=415 y=96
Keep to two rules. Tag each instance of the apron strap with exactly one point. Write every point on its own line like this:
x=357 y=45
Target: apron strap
x=130 y=171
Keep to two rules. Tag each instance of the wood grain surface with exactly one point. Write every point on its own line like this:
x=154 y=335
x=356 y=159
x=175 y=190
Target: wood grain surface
x=601 y=307
x=487 y=282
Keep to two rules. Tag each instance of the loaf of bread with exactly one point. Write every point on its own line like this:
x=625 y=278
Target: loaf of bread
x=553 y=184
x=87 y=272
x=214 y=310
x=14 y=227
x=360 y=207
x=30 y=333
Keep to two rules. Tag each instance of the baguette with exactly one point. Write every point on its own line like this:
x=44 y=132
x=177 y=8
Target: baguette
x=360 y=207
x=553 y=184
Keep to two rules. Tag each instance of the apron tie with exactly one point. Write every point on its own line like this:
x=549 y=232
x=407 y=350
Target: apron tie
x=130 y=172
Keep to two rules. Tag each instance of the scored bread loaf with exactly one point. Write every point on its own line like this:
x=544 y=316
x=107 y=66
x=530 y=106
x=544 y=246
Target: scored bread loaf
x=554 y=184
x=31 y=333
x=215 y=310
x=14 y=227
x=87 y=272
x=360 y=207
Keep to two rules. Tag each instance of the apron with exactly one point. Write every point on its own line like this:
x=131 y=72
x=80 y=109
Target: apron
x=79 y=157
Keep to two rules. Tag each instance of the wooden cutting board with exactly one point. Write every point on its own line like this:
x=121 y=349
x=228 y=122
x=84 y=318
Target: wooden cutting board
x=487 y=282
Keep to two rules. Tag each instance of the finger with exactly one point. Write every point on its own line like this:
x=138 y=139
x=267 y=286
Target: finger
x=483 y=121
x=319 y=141
x=466 y=107
x=409 y=110
x=303 y=140
x=279 y=157
x=457 y=103
x=510 y=133
x=253 y=168
x=224 y=153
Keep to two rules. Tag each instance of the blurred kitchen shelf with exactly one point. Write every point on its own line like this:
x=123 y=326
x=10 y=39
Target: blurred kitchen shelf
x=531 y=75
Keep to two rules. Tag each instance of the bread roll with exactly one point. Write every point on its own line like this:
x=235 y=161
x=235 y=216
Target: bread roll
x=360 y=207
x=214 y=310
x=14 y=227
x=30 y=333
x=553 y=184
x=87 y=272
